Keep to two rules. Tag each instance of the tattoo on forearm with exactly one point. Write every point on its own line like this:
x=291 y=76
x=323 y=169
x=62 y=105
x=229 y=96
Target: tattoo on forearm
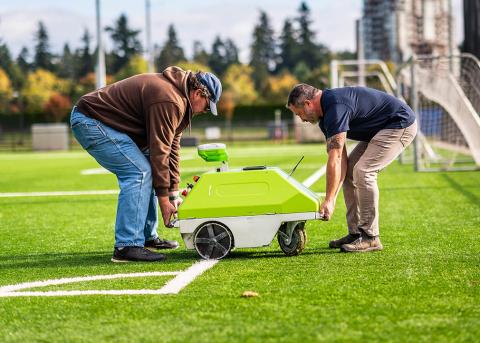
x=336 y=142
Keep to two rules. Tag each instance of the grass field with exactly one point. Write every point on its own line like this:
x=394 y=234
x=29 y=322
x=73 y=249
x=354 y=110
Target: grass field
x=425 y=285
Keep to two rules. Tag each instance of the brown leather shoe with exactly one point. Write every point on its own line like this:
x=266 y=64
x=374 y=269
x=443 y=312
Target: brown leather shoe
x=344 y=240
x=363 y=244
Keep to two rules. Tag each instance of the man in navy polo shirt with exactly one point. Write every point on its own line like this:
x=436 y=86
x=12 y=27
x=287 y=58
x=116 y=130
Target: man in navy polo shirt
x=383 y=125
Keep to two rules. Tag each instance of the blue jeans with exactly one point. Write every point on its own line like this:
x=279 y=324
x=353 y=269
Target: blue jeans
x=137 y=212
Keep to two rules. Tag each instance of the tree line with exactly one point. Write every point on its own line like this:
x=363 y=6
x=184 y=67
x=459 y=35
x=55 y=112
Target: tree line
x=46 y=84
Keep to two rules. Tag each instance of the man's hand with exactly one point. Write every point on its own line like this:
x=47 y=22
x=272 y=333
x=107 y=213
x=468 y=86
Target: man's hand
x=175 y=199
x=326 y=210
x=335 y=173
x=168 y=210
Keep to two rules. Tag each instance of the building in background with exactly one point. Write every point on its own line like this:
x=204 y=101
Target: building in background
x=394 y=29
x=471 y=14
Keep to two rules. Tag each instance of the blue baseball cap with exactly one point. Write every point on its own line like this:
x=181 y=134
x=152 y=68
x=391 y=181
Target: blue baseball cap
x=214 y=86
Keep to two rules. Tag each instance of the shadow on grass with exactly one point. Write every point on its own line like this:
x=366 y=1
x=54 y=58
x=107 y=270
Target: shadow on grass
x=474 y=199
x=81 y=259
x=251 y=254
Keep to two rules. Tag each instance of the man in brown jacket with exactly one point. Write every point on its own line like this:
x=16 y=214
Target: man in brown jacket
x=133 y=128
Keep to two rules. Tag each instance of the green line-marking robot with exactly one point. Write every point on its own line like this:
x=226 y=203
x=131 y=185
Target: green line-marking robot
x=243 y=208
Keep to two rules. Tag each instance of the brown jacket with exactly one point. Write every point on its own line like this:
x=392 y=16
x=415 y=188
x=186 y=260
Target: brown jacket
x=153 y=109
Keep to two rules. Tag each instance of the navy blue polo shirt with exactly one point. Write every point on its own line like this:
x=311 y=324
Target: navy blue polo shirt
x=361 y=112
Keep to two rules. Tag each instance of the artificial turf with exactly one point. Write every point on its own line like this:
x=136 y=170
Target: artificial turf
x=424 y=286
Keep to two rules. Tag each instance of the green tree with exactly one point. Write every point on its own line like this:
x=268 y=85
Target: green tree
x=85 y=58
x=345 y=55
x=42 y=58
x=22 y=60
x=200 y=55
x=172 y=52
x=5 y=58
x=67 y=64
x=125 y=42
x=12 y=69
x=311 y=53
x=302 y=71
x=136 y=65
x=224 y=54
x=262 y=55
x=238 y=80
x=289 y=48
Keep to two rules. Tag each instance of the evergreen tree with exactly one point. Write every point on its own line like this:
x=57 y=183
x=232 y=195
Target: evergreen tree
x=231 y=52
x=224 y=54
x=289 y=48
x=66 y=67
x=5 y=58
x=42 y=56
x=200 y=55
x=86 y=60
x=13 y=72
x=125 y=42
x=309 y=52
x=171 y=52
x=22 y=60
x=262 y=55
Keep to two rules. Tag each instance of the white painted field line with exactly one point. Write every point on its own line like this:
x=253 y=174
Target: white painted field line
x=315 y=176
x=35 y=284
x=94 y=171
x=177 y=284
x=181 y=280
x=66 y=193
x=101 y=170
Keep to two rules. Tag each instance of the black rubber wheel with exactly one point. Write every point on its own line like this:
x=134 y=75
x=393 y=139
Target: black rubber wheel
x=298 y=241
x=213 y=241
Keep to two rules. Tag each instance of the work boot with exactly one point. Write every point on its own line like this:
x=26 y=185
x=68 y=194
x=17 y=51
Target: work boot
x=344 y=240
x=363 y=244
x=159 y=243
x=137 y=254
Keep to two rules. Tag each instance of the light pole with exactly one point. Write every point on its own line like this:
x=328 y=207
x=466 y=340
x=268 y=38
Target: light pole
x=148 y=30
x=100 y=70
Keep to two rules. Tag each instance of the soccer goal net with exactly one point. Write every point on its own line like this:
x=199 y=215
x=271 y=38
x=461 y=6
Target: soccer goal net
x=445 y=94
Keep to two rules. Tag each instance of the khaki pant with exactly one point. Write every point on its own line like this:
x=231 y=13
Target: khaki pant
x=360 y=188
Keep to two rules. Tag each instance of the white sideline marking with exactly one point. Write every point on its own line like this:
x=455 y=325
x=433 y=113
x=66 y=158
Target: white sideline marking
x=94 y=171
x=315 y=176
x=307 y=183
x=174 y=286
x=183 y=279
x=66 y=193
x=101 y=170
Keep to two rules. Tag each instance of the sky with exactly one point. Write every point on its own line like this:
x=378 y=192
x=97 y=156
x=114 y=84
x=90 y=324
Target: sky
x=203 y=20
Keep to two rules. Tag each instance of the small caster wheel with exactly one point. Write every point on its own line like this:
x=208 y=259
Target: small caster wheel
x=213 y=241
x=292 y=238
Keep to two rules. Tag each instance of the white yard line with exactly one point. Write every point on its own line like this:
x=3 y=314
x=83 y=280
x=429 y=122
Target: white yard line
x=307 y=183
x=101 y=170
x=94 y=171
x=315 y=176
x=174 y=286
x=183 y=279
x=66 y=193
